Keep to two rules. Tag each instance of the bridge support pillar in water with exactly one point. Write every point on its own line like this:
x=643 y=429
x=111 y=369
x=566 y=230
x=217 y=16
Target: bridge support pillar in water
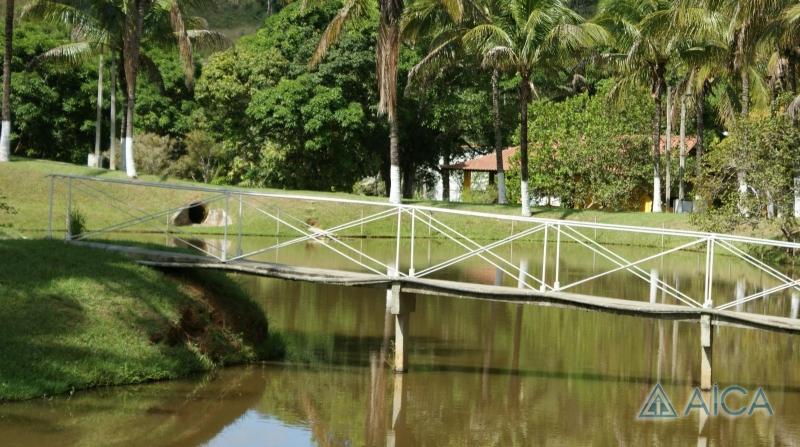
x=400 y=305
x=706 y=342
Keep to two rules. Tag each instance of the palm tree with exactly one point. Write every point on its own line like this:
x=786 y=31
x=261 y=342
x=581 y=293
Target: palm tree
x=99 y=28
x=521 y=37
x=446 y=23
x=5 y=133
x=645 y=53
x=387 y=53
x=701 y=56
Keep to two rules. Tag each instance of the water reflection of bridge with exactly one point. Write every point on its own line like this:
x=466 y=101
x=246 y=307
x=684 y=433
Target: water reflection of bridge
x=116 y=209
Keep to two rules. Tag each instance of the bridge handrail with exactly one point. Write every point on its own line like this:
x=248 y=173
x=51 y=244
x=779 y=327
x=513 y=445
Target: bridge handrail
x=431 y=209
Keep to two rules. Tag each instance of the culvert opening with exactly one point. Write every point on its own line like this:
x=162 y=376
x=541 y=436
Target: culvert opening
x=197 y=213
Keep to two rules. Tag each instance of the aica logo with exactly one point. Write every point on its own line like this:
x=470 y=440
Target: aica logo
x=659 y=406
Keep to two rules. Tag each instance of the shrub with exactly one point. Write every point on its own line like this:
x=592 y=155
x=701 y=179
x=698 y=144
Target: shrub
x=153 y=153
x=370 y=186
x=204 y=158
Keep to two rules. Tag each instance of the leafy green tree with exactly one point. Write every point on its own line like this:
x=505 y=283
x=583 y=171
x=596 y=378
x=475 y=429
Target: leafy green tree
x=766 y=148
x=265 y=105
x=588 y=151
x=51 y=106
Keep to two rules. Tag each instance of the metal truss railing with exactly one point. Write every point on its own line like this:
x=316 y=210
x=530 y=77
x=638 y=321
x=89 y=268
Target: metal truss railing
x=267 y=206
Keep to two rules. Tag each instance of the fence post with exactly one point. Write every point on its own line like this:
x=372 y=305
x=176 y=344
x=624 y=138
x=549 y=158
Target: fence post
x=708 y=302
x=50 y=209
x=396 y=271
x=557 y=284
x=225 y=231
x=413 y=226
x=543 y=287
x=240 y=249
x=69 y=209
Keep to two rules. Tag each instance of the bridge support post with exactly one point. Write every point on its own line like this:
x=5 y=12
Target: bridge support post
x=401 y=305
x=706 y=342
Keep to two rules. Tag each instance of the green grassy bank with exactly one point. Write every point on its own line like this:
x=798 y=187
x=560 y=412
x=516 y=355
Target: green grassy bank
x=24 y=184
x=73 y=318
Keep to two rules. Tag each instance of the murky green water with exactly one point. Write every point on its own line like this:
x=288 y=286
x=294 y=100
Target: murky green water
x=481 y=373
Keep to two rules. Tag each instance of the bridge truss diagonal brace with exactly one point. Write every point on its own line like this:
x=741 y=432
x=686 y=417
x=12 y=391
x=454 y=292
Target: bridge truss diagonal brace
x=619 y=260
x=786 y=281
x=329 y=234
x=520 y=273
x=628 y=265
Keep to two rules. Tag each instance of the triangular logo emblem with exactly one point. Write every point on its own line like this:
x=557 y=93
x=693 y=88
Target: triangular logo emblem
x=657 y=405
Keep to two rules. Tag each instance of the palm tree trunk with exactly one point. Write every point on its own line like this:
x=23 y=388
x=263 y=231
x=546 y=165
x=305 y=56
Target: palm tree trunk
x=394 y=162
x=98 y=125
x=700 y=125
x=5 y=131
x=668 y=149
x=498 y=138
x=656 y=152
x=124 y=109
x=740 y=174
x=131 y=49
x=387 y=58
x=682 y=164
x=112 y=147
x=446 y=175
x=524 y=95
x=122 y=129
x=130 y=164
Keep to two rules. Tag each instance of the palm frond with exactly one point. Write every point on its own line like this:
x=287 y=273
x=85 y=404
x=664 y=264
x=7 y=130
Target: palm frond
x=68 y=54
x=352 y=10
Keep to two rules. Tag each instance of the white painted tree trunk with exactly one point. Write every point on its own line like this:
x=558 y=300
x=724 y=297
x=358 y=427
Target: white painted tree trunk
x=98 y=125
x=394 y=184
x=501 y=188
x=5 y=128
x=130 y=165
x=656 y=192
x=5 y=141
x=525 y=198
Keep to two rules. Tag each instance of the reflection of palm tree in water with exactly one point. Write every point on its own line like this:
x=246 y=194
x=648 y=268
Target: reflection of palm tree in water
x=515 y=384
x=319 y=430
x=376 y=411
x=487 y=352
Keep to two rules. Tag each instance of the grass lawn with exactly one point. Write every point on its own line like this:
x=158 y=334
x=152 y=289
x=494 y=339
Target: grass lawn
x=25 y=185
x=73 y=318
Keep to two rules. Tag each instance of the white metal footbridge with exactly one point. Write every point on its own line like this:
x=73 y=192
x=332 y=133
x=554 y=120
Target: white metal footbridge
x=412 y=250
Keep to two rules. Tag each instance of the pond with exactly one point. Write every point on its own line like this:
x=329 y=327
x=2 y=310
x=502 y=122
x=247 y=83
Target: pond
x=481 y=373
